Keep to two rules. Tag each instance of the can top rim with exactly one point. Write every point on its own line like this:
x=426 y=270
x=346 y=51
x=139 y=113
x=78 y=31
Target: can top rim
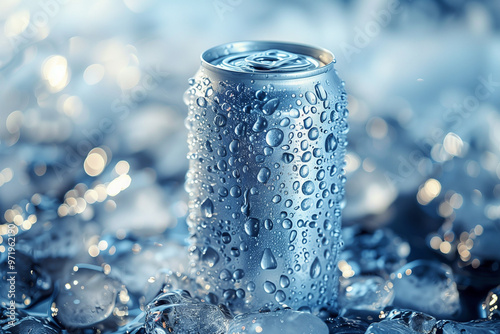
x=322 y=55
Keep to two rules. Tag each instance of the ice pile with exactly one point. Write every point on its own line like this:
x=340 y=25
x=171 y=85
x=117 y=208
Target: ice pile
x=428 y=287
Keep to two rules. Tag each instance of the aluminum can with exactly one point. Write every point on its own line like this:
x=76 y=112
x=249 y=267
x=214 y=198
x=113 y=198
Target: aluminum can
x=267 y=125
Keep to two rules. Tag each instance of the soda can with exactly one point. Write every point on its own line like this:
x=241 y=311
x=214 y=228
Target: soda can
x=267 y=125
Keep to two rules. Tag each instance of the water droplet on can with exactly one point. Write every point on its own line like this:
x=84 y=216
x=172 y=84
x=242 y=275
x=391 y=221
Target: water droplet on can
x=310 y=97
x=235 y=191
x=269 y=287
x=207 y=208
x=263 y=175
x=210 y=256
x=330 y=143
x=306 y=204
x=308 y=187
x=225 y=275
x=220 y=120
x=274 y=137
x=234 y=146
x=287 y=158
x=260 y=95
x=284 y=281
x=268 y=261
x=320 y=91
x=294 y=113
x=280 y=296
x=304 y=171
x=315 y=268
x=208 y=146
x=226 y=238
x=238 y=274
x=240 y=129
x=308 y=122
x=268 y=224
x=251 y=227
x=251 y=286
x=285 y=122
x=260 y=124
x=270 y=106
x=313 y=133
x=287 y=224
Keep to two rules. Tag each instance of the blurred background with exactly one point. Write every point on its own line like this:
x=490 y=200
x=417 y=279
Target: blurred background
x=93 y=143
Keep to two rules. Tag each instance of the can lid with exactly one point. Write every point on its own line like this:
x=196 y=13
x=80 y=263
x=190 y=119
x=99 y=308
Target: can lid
x=268 y=59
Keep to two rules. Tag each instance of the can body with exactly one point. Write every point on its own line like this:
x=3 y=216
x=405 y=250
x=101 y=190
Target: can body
x=267 y=138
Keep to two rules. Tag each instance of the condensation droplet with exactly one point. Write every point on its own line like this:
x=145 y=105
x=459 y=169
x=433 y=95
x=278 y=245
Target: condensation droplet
x=225 y=275
x=285 y=122
x=294 y=113
x=238 y=274
x=234 y=146
x=287 y=224
x=308 y=122
x=207 y=208
x=260 y=124
x=268 y=261
x=240 y=129
x=268 y=224
x=223 y=192
x=270 y=106
x=310 y=97
x=304 y=171
x=315 y=268
x=251 y=286
x=320 y=91
x=306 y=204
x=284 y=281
x=263 y=175
x=308 y=187
x=313 y=133
x=280 y=296
x=210 y=256
x=287 y=158
x=226 y=238
x=235 y=191
x=201 y=102
x=269 y=287
x=274 y=137
x=330 y=143
x=220 y=120
x=251 y=227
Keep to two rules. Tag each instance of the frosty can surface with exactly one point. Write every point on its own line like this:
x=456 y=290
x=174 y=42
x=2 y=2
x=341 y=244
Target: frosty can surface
x=267 y=137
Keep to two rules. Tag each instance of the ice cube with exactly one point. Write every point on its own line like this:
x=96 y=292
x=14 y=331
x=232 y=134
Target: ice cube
x=378 y=252
x=365 y=292
x=53 y=238
x=403 y=321
x=281 y=321
x=428 y=287
x=178 y=312
x=86 y=297
x=140 y=269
